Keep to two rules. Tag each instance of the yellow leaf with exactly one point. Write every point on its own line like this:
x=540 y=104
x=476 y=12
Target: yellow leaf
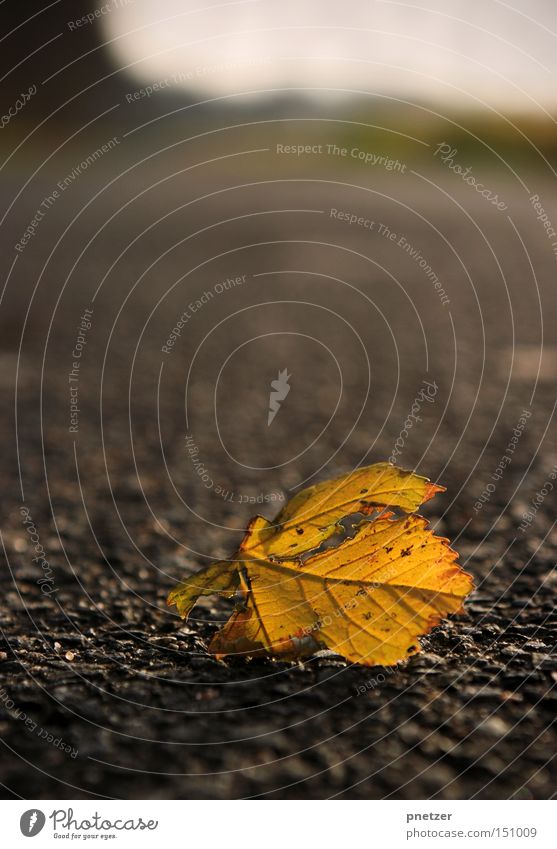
x=368 y=598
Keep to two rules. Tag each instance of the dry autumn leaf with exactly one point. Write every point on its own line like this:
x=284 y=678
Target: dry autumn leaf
x=369 y=597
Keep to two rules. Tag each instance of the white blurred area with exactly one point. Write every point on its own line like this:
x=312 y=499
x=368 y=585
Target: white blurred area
x=462 y=53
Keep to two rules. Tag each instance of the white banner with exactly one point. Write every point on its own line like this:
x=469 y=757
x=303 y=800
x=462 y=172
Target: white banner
x=276 y=824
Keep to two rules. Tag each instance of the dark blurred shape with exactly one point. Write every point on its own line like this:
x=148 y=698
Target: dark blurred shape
x=71 y=67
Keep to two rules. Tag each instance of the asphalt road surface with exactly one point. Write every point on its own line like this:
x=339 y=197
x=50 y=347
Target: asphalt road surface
x=104 y=691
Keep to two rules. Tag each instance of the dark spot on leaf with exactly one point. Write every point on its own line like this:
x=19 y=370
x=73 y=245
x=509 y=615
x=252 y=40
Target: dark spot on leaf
x=406 y=551
x=299 y=531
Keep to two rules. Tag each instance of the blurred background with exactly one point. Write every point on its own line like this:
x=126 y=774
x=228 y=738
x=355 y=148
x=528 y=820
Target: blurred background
x=198 y=197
